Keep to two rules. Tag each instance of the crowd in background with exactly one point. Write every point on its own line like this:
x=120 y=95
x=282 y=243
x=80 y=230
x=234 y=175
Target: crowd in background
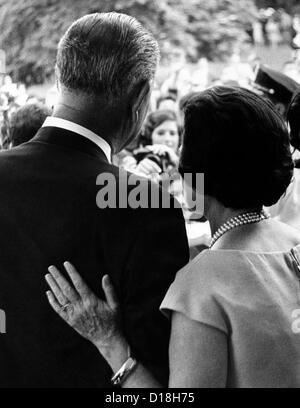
x=271 y=28
x=155 y=152
x=274 y=27
x=64 y=197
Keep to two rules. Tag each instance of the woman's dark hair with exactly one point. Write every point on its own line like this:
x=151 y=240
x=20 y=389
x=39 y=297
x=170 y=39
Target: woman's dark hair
x=240 y=143
x=153 y=120
x=184 y=100
x=293 y=117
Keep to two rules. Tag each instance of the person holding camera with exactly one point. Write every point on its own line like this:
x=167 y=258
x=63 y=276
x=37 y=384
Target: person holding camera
x=158 y=146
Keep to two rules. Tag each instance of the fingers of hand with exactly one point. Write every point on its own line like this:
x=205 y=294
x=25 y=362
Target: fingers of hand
x=154 y=167
x=161 y=149
x=77 y=280
x=152 y=148
x=56 y=306
x=110 y=293
x=174 y=158
x=61 y=298
x=64 y=286
x=148 y=166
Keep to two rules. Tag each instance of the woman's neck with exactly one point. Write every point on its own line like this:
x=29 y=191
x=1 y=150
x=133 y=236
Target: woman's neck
x=218 y=215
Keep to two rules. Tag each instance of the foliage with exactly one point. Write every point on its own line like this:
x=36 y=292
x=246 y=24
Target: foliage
x=288 y=5
x=31 y=29
x=218 y=26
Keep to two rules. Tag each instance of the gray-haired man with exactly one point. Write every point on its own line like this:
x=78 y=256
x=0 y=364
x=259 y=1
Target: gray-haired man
x=48 y=213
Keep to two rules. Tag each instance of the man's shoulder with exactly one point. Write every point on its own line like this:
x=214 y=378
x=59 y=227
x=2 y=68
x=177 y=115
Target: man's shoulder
x=14 y=151
x=11 y=155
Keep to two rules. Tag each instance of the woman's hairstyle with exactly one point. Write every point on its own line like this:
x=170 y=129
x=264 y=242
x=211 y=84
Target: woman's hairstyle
x=240 y=143
x=293 y=117
x=153 y=120
x=184 y=100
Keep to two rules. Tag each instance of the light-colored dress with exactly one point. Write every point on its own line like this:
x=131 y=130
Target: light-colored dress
x=254 y=299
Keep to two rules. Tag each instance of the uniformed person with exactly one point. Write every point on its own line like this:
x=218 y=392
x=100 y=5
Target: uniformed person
x=275 y=86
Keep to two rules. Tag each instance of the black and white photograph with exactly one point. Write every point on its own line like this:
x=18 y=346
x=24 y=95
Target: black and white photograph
x=149 y=197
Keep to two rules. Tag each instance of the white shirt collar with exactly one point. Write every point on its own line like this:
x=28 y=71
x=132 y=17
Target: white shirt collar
x=52 y=121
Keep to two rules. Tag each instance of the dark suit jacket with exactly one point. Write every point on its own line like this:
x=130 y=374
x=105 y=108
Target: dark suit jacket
x=48 y=214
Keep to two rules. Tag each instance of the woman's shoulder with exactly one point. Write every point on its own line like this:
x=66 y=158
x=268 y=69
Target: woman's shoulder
x=212 y=268
x=209 y=260
x=204 y=287
x=196 y=291
x=215 y=268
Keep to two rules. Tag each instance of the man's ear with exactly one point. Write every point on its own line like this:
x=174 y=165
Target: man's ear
x=57 y=84
x=137 y=107
x=139 y=96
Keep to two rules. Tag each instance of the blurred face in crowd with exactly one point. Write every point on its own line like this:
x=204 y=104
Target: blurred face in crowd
x=167 y=134
x=167 y=104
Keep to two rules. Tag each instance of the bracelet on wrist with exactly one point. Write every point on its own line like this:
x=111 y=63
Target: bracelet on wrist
x=125 y=371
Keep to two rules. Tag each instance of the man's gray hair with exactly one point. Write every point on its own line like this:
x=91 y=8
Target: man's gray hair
x=106 y=54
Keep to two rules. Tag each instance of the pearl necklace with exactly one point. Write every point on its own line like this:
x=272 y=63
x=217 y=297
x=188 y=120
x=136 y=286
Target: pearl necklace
x=243 y=219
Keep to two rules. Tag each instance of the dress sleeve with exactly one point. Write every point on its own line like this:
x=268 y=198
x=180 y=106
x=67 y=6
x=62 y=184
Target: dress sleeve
x=197 y=293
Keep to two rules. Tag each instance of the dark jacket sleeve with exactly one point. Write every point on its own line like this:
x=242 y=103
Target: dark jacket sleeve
x=159 y=251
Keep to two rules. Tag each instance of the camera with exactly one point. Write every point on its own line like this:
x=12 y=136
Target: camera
x=162 y=160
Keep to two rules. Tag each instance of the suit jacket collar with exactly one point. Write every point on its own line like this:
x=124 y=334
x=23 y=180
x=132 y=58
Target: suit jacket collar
x=71 y=140
x=54 y=121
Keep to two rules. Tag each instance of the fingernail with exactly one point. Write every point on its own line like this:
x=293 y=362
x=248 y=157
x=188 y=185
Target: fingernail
x=48 y=293
x=50 y=268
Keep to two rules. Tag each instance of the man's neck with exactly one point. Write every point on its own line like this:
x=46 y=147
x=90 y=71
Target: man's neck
x=84 y=119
